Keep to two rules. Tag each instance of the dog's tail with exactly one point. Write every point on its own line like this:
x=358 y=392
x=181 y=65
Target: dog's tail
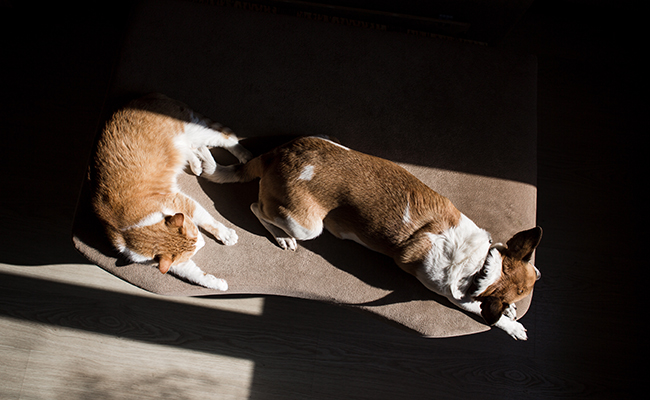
x=238 y=172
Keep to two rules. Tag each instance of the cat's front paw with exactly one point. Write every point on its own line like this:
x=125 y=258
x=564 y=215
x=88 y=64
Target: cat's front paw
x=212 y=282
x=227 y=236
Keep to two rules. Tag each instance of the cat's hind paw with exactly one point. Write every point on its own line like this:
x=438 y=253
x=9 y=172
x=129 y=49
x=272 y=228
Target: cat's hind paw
x=195 y=165
x=202 y=162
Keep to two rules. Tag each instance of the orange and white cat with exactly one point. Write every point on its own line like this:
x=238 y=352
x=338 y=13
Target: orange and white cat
x=142 y=150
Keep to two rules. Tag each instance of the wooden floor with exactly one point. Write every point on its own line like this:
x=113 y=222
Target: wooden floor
x=70 y=331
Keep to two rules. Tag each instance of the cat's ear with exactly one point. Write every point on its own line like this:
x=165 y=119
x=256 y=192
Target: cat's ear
x=164 y=263
x=175 y=221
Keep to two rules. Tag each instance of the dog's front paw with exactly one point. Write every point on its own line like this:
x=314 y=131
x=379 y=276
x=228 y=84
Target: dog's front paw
x=212 y=282
x=227 y=236
x=517 y=331
x=512 y=328
x=511 y=312
x=287 y=243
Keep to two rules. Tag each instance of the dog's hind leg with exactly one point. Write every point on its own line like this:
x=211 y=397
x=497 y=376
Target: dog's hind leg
x=284 y=227
x=284 y=240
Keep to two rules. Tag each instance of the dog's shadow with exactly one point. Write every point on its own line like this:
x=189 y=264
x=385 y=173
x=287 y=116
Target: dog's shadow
x=233 y=201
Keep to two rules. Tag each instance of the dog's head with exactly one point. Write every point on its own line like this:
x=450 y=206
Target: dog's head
x=517 y=277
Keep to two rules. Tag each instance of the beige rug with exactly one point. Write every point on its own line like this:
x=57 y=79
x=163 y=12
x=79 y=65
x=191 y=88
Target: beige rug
x=460 y=117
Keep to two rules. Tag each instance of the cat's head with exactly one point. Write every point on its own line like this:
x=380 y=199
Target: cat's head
x=172 y=241
x=184 y=241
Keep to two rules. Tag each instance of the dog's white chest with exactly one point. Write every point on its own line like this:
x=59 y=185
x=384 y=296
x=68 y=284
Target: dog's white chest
x=455 y=255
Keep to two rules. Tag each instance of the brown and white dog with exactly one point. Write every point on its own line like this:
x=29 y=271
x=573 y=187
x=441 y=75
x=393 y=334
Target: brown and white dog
x=313 y=183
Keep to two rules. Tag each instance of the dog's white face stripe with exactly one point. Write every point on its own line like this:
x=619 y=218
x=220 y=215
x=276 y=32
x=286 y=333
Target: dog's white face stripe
x=307 y=173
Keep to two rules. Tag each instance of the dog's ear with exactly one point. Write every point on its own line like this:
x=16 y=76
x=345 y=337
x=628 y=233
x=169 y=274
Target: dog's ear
x=492 y=309
x=522 y=245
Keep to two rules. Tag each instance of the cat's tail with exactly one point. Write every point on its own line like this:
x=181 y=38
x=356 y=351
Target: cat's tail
x=237 y=172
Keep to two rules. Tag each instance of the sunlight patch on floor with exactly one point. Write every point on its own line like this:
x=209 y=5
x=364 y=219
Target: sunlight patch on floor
x=42 y=360
x=91 y=276
x=58 y=362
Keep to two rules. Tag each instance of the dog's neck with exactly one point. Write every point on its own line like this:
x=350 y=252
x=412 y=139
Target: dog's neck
x=489 y=273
